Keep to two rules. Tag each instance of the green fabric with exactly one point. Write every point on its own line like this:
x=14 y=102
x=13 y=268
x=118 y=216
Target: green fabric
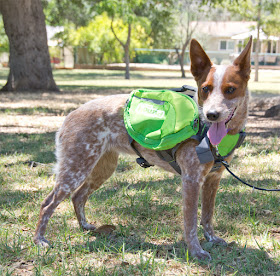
x=227 y=144
x=160 y=119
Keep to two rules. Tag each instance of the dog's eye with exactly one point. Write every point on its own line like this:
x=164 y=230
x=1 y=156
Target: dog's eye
x=205 y=89
x=230 y=90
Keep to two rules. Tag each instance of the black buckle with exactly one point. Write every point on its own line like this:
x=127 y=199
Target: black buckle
x=225 y=163
x=185 y=88
x=143 y=163
x=217 y=165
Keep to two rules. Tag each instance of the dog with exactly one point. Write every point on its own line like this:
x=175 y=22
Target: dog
x=90 y=140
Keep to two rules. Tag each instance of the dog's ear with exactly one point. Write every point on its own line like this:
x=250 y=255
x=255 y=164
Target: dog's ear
x=243 y=61
x=200 y=62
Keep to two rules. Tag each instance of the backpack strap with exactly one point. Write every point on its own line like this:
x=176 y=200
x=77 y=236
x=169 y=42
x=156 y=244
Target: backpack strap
x=169 y=157
x=141 y=161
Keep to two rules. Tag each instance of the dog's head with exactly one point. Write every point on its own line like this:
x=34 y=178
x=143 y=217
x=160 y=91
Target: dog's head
x=221 y=89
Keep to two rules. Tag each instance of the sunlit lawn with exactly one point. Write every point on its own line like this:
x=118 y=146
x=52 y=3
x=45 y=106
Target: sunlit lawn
x=145 y=206
x=112 y=80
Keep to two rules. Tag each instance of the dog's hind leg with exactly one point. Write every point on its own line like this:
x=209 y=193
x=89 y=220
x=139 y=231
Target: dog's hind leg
x=69 y=177
x=100 y=173
x=208 y=195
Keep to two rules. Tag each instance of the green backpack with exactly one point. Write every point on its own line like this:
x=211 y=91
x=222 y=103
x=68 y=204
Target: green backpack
x=160 y=119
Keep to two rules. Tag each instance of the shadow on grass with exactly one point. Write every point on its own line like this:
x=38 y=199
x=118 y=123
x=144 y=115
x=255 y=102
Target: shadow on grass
x=225 y=259
x=35 y=111
x=111 y=74
x=138 y=202
x=4 y=72
x=16 y=199
x=232 y=206
x=100 y=90
x=106 y=90
x=39 y=146
x=264 y=93
x=39 y=111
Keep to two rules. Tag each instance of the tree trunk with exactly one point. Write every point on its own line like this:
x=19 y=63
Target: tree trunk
x=30 y=67
x=126 y=60
x=183 y=56
x=181 y=62
x=258 y=43
x=126 y=47
x=126 y=53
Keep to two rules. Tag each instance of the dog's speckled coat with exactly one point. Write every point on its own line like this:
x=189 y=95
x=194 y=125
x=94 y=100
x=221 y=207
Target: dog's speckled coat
x=91 y=138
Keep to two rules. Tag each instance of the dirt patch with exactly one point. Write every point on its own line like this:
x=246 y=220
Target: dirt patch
x=257 y=123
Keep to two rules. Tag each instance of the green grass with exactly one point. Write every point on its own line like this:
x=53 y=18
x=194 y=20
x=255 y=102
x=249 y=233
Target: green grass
x=112 y=81
x=145 y=205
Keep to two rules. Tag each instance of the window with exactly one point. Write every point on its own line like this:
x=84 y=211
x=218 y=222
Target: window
x=223 y=45
x=274 y=47
x=227 y=45
x=268 y=50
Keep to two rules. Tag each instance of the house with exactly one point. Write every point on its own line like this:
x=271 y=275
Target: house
x=224 y=40
x=61 y=56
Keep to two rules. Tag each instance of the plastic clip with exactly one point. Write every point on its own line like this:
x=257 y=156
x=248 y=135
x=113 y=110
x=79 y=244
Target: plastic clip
x=225 y=163
x=143 y=163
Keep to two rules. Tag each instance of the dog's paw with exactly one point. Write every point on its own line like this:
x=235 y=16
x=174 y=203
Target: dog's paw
x=42 y=242
x=88 y=227
x=216 y=240
x=219 y=241
x=201 y=255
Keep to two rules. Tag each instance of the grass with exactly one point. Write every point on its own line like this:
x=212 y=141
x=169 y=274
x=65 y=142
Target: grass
x=145 y=206
x=111 y=81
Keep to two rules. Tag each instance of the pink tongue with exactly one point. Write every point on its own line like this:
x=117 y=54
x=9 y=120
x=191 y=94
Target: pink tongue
x=217 y=132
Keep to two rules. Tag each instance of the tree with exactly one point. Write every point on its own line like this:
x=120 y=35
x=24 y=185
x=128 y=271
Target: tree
x=62 y=12
x=186 y=12
x=187 y=15
x=99 y=39
x=133 y=13
x=30 y=68
x=126 y=47
x=124 y=10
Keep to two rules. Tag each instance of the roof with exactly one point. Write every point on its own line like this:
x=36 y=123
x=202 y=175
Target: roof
x=223 y=28
x=254 y=34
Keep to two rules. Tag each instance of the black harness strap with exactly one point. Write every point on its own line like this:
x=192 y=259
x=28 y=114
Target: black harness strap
x=185 y=88
x=141 y=161
x=169 y=156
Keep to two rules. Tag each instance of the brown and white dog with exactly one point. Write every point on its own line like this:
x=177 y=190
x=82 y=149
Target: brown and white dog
x=90 y=140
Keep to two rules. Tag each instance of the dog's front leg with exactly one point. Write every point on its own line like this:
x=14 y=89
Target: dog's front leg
x=208 y=195
x=191 y=187
x=193 y=176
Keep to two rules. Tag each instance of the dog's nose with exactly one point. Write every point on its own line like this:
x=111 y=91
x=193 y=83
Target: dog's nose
x=212 y=115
